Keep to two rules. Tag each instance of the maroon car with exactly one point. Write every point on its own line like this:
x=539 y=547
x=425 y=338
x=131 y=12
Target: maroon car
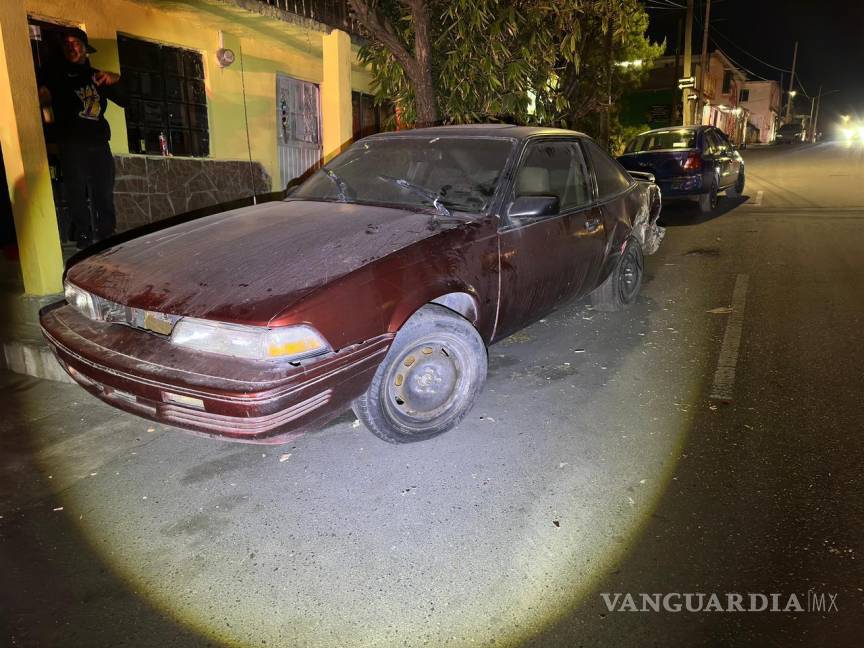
x=376 y=285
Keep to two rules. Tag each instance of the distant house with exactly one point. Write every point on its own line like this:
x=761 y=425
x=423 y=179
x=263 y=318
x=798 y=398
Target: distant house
x=720 y=95
x=762 y=100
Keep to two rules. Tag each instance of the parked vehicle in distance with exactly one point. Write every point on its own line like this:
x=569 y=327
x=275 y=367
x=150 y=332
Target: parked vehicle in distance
x=376 y=285
x=789 y=134
x=691 y=162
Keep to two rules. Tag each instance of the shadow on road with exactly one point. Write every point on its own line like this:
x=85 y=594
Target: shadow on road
x=57 y=589
x=680 y=213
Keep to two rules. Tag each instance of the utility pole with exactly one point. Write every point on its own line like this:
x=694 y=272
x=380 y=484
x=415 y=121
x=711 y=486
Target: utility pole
x=688 y=64
x=816 y=117
x=810 y=123
x=703 y=65
x=788 y=119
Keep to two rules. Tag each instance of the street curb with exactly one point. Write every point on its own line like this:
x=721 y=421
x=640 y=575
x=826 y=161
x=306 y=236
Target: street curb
x=33 y=359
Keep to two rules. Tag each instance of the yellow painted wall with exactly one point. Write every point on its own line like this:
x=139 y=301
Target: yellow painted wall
x=267 y=46
x=25 y=158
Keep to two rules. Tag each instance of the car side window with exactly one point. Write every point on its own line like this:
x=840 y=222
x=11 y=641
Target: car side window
x=554 y=169
x=611 y=177
x=713 y=145
x=725 y=144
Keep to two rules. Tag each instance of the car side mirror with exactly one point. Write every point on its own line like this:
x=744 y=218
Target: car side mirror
x=534 y=207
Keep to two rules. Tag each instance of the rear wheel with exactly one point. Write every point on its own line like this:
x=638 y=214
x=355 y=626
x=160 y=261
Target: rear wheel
x=428 y=380
x=708 y=201
x=622 y=286
x=738 y=189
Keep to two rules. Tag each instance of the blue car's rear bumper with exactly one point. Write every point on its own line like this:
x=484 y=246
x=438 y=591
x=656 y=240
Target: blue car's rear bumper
x=689 y=185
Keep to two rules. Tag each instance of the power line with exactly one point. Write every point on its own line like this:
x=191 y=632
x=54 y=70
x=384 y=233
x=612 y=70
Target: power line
x=751 y=55
x=669 y=3
x=737 y=64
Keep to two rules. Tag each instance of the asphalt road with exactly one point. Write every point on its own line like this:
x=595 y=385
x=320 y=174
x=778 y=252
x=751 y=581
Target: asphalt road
x=594 y=463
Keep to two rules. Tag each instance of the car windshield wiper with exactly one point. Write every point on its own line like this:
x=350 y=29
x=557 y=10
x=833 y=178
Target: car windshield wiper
x=435 y=198
x=339 y=182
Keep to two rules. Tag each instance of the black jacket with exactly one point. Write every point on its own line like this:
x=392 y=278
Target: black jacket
x=79 y=104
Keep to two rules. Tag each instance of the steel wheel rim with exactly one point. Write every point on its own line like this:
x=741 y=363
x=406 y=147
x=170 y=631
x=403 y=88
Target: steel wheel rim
x=629 y=276
x=425 y=382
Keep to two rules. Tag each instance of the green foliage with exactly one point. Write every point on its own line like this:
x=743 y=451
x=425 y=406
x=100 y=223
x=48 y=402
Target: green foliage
x=490 y=57
x=621 y=134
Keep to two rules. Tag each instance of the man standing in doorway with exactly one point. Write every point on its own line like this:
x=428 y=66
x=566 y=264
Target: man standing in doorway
x=77 y=94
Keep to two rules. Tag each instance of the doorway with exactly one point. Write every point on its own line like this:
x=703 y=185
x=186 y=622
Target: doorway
x=46 y=40
x=298 y=127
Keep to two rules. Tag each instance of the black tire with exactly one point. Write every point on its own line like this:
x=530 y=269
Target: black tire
x=622 y=286
x=708 y=201
x=429 y=379
x=737 y=189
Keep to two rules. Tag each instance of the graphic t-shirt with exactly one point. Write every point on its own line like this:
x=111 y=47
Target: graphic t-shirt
x=79 y=104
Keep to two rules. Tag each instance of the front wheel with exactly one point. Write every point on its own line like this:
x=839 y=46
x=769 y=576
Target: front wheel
x=622 y=286
x=428 y=380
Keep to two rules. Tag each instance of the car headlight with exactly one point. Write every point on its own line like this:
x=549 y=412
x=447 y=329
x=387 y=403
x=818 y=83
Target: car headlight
x=249 y=342
x=81 y=300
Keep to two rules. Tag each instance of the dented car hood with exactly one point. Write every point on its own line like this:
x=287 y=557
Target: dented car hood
x=249 y=264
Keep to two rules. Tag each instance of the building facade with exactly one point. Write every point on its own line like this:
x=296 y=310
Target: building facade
x=658 y=102
x=228 y=99
x=762 y=100
x=720 y=105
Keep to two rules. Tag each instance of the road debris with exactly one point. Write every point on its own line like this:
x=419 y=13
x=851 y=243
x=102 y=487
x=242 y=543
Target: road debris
x=59 y=508
x=722 y=310
x=284 y=457
x=356 y=423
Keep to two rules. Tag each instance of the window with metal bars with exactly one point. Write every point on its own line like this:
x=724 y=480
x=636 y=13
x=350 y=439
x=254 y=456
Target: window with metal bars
x=367 y=117
x=166 y=97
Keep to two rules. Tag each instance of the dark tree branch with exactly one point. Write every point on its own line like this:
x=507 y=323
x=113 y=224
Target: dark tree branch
x=417 y=67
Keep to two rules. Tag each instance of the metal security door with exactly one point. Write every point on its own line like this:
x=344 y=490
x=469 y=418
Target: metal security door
x=298 y=127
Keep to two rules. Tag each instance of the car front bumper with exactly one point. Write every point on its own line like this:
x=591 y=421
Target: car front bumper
x=211 y=395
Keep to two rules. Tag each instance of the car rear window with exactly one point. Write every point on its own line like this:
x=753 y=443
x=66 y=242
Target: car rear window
x=462 y=172
x=662 y=141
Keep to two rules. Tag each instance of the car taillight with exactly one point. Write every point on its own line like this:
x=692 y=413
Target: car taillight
x=693 y=162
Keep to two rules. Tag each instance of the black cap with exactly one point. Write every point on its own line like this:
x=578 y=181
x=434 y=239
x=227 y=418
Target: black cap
x=81 y=35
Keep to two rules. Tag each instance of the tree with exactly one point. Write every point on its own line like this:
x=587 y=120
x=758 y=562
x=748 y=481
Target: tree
x=521 y=61
x=593 y=81
x=409 y=48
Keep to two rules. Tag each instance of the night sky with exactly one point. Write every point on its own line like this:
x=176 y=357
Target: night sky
x=830 y=35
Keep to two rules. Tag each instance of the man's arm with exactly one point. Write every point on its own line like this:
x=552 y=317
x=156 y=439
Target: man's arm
x=44 y=96
x=112 y=87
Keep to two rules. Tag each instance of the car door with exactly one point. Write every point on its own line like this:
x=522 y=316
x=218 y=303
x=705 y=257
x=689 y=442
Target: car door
x=732 y=162
x=722 y=156
x=544 y=260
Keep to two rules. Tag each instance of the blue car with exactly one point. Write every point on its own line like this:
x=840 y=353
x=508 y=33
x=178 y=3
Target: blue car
x=690 y=162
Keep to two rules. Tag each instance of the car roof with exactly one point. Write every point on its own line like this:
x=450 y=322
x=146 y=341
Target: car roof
x=479 y=130
x=666 y=129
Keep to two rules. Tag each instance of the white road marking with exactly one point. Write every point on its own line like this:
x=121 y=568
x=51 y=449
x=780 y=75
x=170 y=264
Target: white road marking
x=724 y=377
x=758 y=201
